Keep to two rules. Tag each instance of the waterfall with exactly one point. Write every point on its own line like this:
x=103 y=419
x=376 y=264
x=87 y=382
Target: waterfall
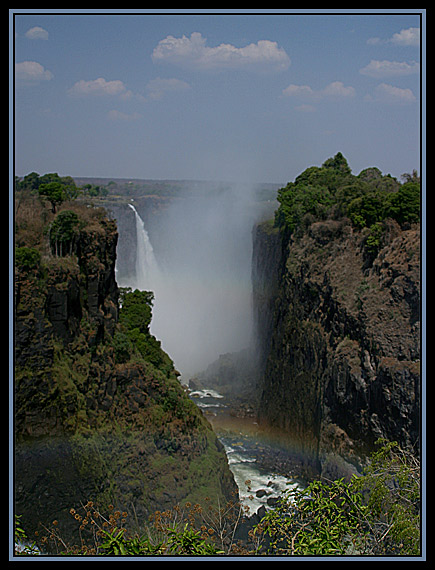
x=147 y=270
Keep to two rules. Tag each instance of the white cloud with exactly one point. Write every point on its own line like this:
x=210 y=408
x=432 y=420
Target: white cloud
x=336 y=89
x=389 y=68
x=386 y=93
x=194 y=53
x=100 y=87
x=31 y=72
x=37 y=33
x=298 y=91
x=158 y=87
x=408 y=37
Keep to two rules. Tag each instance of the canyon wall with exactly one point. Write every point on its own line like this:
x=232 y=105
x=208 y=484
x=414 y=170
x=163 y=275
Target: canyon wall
x=339 y=333
x=95 y=419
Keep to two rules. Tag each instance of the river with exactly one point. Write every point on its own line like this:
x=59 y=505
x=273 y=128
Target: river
x=250 y=457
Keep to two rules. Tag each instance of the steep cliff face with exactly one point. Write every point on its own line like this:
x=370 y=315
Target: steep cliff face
x=342 y=361
x=89 y=424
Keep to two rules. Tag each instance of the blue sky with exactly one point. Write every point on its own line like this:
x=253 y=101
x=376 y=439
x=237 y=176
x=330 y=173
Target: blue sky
x=251 y=97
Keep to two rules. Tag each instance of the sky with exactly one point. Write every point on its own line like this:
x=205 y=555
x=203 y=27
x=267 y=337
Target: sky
x=252 y=97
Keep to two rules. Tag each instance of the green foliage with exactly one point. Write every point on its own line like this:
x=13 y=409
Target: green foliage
x=312 y=192
x=54 y=193
x=373 y=241
x=377 y=513
x=404 y=205
x=134 y=319
x=27 y=257
x=136 y=309
x=189 y=541
x=391 y=485
x=366 y=210
x=56 y=189
x=332 y=191
x=323 y=519
x=94 y=190
x=21 y=543
x=338 y=163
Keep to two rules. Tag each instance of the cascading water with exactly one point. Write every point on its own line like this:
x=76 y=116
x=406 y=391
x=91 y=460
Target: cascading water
x=147 y=270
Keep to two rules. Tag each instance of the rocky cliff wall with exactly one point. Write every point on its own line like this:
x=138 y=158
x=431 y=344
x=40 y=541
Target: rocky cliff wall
x=89 y=426
x=340 y=330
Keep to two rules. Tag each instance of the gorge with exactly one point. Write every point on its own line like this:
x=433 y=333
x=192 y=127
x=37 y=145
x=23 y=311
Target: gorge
x=307 y=324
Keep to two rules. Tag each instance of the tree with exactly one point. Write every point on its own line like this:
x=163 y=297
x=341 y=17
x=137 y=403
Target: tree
x=62 y=233
x=30 y=182
x=366 y=210
x=404 y=205
x=136 y=309
x=338 y=162
x=54 y=192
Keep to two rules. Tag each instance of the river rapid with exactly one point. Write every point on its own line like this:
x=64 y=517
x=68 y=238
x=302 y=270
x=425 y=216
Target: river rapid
x=260 y=474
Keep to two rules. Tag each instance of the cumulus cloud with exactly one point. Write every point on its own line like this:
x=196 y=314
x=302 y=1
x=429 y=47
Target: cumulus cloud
x=406 y=37
x=386 y=93
x=31 y=72
x=37 y=33
x=158 y=87
x=389 y=68
x=100 y=87
x=336 y=89
x=298 y=91
x=194 y=53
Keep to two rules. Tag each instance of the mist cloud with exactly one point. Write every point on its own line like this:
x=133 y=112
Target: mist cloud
x=202 y=307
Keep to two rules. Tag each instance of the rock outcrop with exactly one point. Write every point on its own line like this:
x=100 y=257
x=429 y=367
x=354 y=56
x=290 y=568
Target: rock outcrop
x=341 y=340
x=89 y=426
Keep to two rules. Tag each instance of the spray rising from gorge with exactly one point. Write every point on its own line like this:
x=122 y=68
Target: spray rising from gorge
x=195 y=255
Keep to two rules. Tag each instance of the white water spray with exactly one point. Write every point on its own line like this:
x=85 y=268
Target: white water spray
x=147 y=270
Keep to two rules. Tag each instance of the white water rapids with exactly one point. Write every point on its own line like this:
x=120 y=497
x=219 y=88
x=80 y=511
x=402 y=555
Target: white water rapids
x=258 y=486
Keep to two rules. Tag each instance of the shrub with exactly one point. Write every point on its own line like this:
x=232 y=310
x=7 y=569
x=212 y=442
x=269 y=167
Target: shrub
x=27 y=257
x=377 y=513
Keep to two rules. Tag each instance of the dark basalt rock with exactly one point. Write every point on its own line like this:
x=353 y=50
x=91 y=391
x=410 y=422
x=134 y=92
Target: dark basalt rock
x=341 y=345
